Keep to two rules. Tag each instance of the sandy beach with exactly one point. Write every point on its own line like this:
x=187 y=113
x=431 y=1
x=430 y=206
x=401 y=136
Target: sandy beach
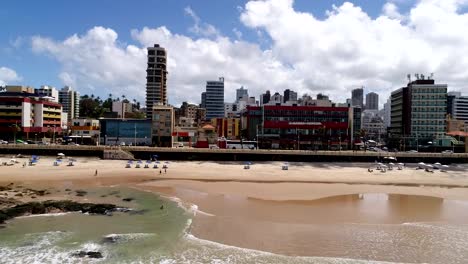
x=304 y=211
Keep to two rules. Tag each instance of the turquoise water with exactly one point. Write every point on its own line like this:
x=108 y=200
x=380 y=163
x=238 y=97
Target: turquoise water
x=154 y=236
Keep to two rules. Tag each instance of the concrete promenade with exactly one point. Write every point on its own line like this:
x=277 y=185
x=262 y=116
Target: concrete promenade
x=234 y=154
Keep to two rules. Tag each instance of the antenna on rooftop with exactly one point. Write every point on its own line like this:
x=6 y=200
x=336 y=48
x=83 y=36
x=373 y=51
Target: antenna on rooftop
x=417 y=76
x=431 y=77
x=409 y=77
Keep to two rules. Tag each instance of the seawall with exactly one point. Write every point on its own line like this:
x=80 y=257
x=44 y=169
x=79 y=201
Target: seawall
x=146 y=153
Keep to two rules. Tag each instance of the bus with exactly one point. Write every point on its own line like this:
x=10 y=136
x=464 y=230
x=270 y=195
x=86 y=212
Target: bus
x=236 y=144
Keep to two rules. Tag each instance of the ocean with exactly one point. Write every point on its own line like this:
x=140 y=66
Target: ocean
x=160 y=233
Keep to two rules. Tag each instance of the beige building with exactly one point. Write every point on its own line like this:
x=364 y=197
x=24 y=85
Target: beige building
x=162 y=125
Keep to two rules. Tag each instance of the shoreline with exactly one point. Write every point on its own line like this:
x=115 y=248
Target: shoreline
x=264 y=204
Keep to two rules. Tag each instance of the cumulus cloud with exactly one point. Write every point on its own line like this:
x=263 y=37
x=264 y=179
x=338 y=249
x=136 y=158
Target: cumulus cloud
x=304 y=53
x=350 y=47
x=96 y=60
x=8 y=76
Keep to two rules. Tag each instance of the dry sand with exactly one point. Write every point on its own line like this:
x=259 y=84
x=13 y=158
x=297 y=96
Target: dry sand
x=264 y=203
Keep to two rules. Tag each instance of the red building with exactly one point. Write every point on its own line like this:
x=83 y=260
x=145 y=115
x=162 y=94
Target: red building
x=299 y=127
x=24 y=113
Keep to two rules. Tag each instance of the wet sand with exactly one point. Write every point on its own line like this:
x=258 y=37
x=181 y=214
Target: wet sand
x=330 y=210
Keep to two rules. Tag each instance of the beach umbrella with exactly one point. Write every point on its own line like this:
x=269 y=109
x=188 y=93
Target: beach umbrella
x=60 y=154
x=248 y=163
x=158 y=162
x=148 y=161
x=139 y=162
x=444 y=167
x=130 y=162
x=401 y=164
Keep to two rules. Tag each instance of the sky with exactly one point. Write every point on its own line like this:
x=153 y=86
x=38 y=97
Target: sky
x=309 y=46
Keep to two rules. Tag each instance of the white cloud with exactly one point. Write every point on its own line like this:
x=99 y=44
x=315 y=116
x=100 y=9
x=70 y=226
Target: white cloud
x=349 y=47
x=8 y=76
x=200 y=28
x=391 y=10
x=97 y=60
x=304 y=53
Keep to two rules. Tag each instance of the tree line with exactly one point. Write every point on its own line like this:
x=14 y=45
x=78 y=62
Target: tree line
x=96 y=107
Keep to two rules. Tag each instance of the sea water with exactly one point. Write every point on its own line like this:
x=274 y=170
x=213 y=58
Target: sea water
x=160 y=233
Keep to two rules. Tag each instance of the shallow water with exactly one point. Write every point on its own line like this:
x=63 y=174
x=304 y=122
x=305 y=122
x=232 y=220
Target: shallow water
x=377 y=227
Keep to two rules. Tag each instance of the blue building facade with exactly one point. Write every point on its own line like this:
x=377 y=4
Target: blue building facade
x=125 y=131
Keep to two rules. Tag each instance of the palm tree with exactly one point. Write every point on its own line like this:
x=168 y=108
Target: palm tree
x=110 y=95
x=92 y=96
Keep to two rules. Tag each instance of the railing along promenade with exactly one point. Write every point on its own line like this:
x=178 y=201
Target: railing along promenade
x=233 y=154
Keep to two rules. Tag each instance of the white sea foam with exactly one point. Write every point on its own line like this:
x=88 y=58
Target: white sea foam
x=40 y=248
x=43 y=215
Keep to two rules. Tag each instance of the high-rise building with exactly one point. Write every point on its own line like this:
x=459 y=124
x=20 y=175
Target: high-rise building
x=457 y=106
x=321 y=96
x=387 y=112
x=289 y=95
x=48 y=91
x=240 y=93
x=418 y=112
x=214 y=99
x=357 y=97
x=372 y=101
x=121 y=108
x=203 y=100
x=156 y=78
x=70 y=101
x=265 y=98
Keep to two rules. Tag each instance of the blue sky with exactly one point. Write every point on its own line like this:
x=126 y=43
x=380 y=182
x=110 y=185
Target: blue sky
x=57 y=20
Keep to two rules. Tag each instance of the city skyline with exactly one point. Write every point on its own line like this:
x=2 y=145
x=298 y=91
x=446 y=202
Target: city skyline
x=105 y=56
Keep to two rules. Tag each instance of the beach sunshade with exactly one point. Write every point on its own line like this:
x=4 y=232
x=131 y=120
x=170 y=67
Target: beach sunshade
x=401 y=164
x=139 y=162
x=429 y=166
x=167 y=162
x=421 y=163
x=148 y=161
x=445 y=166
x=130 y=161
x=60 y=154
x=155 y=156
x=437 y=163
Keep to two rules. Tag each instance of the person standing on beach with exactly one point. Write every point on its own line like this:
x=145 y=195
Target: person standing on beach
x=164 y=170
x=95 y=173
x=160 y=171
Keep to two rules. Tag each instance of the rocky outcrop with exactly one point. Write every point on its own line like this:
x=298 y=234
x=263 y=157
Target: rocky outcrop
x=45 y=207
x=89 y=254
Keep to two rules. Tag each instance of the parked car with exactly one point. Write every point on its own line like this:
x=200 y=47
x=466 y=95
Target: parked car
x=412 y=151
x=447 y=152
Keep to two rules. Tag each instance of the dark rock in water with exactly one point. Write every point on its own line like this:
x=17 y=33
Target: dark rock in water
x=41 y=192
x=4 y=188
x=129 y=199
x=162 y=207
x=33 y=197
x=67 y=190
x=89 y=254
x=53 y=206
x=94 y=254
x=81 y=193
x=103 y=196
x=19 y=194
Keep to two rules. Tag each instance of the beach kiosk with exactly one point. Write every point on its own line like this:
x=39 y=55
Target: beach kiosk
x=247 y=165
x=285 y=166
